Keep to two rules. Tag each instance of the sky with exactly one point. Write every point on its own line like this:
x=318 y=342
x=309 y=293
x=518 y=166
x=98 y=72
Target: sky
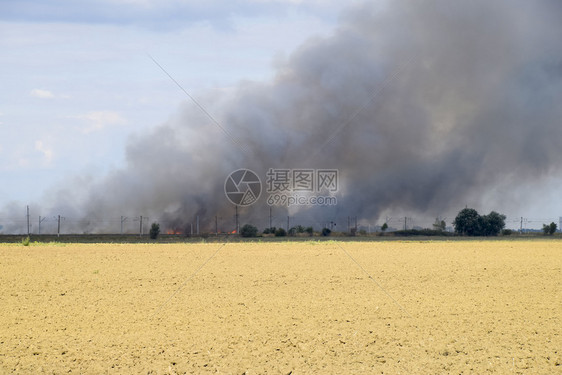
x=79 y=87
x=77 y=79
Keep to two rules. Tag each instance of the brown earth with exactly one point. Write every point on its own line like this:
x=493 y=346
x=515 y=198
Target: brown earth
x=309 y=307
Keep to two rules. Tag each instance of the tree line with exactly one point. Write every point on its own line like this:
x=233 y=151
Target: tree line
x=467 y=223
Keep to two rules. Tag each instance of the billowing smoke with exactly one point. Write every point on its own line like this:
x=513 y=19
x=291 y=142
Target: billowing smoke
x=421 y=106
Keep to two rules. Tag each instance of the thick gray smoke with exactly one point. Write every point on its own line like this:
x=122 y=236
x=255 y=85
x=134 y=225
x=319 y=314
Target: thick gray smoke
x=428 y=105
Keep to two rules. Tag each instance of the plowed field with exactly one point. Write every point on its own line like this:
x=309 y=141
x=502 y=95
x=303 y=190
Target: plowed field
x=309 y=307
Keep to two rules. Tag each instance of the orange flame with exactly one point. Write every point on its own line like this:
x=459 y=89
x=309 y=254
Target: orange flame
x=173 y=231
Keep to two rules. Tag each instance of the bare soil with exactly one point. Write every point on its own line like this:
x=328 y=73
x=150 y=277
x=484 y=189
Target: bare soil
x=307 y=307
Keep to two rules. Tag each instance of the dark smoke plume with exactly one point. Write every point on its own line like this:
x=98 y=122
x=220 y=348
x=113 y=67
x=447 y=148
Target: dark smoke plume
x=428 y=105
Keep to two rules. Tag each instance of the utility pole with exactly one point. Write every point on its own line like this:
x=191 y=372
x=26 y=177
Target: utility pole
x=191 y=230
x=58 y=227
x=288 y=224
x=140 y=229
x=270 y=217
x=197 y=224
x=123 y=219
x=40 y=221
x=405 y=220
x=216 y=226
x=521 y=227
x=28 y=221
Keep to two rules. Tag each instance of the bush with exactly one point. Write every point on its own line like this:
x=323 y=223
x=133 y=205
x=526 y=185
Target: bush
x=25 y=241
x=326 y=232
x=248 y=230
x=507 y=232
x=280 y=232
x=269 y=230
x=421 y=232
x=309 y=230
x=154 y=231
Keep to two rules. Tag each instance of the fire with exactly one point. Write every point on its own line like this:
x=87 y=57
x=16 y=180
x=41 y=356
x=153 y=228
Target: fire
x=233 y=232
x=173 y=231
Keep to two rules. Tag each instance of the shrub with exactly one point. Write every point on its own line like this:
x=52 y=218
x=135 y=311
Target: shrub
x=248 y=230
x=309 y=230
x=507 y=232
x=25 y=241
x=280 y=232
x=326 y=232
x=421 y=232
x=269 y=230
x=154 y=231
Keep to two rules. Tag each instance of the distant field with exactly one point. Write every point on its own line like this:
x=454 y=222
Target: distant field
x=285 y=307
x=209 y=238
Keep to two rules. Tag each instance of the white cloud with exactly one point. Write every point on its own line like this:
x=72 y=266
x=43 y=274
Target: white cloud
x=99 y=120
x=46 y=151
x=42 y=94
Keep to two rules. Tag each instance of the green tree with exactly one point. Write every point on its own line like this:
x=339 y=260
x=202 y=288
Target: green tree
x=384 y=227
x=326 y=232
x=280 y=232
x=492 y=224
x=154 y=231
x=549 y=229
x=468 y=222
x=309 y=230
x=248 y=230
